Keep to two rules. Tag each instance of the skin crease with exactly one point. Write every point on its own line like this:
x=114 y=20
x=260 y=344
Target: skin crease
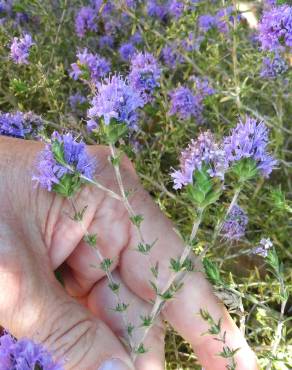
x=37 y=236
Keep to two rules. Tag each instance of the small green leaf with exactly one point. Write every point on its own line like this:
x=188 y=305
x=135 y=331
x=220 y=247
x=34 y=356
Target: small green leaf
x=106 y=264
x=137 y=220
x=212 y=272
x=90 y=239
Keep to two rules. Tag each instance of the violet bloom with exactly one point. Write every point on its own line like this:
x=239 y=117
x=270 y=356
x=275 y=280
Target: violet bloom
x=183 y=103
x=126 y=51
x=20 y=125
x=249 y=139
x=176 y=8
x=136 y=38
x=275 y=28
x=75 y=160
x=93 y=64
x=203 y=87
x=192 y=43
x=207 y=22
x=85 y=21
x=115 y=99
x=156 y=10
x=171 y=57
x=235 y=224
x=24 y=354
x=76 y=101
x=263 y=248
x=273 y=67
x=106 y=41
x=20 y=48
x=201 y=152
x=144 y=75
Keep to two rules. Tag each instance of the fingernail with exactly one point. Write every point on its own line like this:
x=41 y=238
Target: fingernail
x=114 y=364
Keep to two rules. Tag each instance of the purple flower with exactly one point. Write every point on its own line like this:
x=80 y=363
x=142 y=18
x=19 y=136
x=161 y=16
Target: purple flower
x=85 y=20
x=206 y=22
x=136 y=38
x=275 y=28
x=203 y=87
x=115 y=99
x=19 y=50
x=192 y=43
x=64 y=155
x=203 y=151
x=20 y=124
x=235 y=224
x=156 y=10
x=183 y=103
x=93 y=64
x=126 y=51
x=263 y=248
x=76 y=101
x=144 y=75
x=24 y=354
x=106 y=41
x=273 y=67
x=249 y=139
x=176 y=8
x=170 y=56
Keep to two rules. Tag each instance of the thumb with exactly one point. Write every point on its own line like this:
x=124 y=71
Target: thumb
x=34 y=305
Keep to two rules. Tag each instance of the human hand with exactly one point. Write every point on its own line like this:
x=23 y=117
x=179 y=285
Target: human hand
x=37 y=236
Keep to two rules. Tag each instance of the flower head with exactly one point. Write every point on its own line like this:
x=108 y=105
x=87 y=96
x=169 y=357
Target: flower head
x=20 y=124
x=126 y=51
x=263 y=248
x=64 y=156
x=201 y=152
x=183 y=103
x=249 y=139
x=76 y=101
x=106 y=41
x=154 y=9
x=170 y=57
x=275 y=28
x=20 y=48
x=85 y=20
x=235 y=223
x=115 y=99
x=273 y=67
x=144 y=74
x=93 y=64
x=24 y=354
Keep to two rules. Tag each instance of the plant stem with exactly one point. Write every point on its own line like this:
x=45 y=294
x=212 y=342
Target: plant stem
x=278 y=334
x=159 y=301
x=112 y=281
x=219 y=226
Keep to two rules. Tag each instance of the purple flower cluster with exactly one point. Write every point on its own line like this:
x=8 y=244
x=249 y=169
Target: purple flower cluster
x=218 y=21
x=185 y=104
x=273 y=67
x=20 y=48
x=235 y=224
x=156 y=10
x=85 y=20
x=88 y=63
x=106 y=41
x=275 y=28
x=203 y=151
x=76 y=101
x=20 y=124
x=144 y=75
x=171 y=57
x=115 y=99
x=249 y=139
x=72 y=159
x=24 y=354
x=263 y=248
x=127 y=51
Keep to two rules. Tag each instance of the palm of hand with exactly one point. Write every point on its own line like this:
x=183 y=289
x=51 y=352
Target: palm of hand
x=49 y=238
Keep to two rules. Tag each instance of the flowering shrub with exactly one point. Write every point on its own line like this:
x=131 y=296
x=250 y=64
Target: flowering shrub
x=201 y=103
